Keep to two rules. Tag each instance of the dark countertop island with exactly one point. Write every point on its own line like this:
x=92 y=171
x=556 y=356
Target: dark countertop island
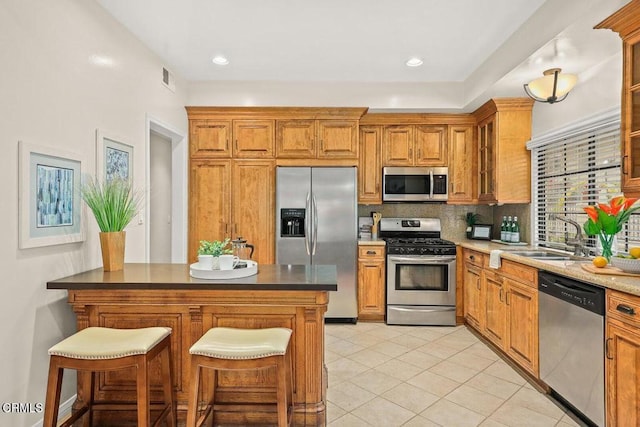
x=176 y=276
x=143 y=295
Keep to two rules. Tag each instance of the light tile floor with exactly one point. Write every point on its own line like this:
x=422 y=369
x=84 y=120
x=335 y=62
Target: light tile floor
x=387 y=376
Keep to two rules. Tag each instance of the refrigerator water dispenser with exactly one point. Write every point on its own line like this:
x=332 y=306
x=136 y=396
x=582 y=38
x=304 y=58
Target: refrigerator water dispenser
x=292 y=222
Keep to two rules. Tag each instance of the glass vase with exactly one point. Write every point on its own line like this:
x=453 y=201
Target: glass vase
x=608 y=245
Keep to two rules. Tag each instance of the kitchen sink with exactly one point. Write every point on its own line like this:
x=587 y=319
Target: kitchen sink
x=541 y=255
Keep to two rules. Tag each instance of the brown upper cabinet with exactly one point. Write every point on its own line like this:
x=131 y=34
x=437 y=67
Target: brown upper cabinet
x=210 y=138
x=504 y=163
x=253 y=138
x=462 y=164
x=322 y=139
x=626 y=22
x=227 y=138
x=369 y=166
x=415 y=145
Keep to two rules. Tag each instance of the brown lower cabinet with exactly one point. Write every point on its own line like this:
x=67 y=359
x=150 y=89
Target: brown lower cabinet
x=622 y=359
x=502 y=305
x=371 y=282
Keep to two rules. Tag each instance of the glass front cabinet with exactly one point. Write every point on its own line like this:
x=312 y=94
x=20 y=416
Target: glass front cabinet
x=626 y=22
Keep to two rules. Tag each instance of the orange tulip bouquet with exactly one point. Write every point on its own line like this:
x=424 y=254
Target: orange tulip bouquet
x=605 y=221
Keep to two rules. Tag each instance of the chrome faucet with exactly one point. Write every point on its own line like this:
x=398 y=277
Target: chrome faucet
x=578 y=243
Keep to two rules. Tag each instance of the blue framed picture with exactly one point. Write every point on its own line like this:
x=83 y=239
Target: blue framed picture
x=114 y=159
x=49 y=197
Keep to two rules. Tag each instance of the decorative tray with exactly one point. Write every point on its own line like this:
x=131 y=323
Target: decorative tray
x=236 y=273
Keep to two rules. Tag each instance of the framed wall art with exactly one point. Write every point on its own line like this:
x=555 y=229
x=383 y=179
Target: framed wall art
x=114 y=158
x=50 y=210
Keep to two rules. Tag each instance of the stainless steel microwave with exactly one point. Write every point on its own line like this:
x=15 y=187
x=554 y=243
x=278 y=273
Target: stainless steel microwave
x=415 y=184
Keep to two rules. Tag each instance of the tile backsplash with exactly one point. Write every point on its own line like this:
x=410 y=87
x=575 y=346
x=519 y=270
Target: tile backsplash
x=452 y=217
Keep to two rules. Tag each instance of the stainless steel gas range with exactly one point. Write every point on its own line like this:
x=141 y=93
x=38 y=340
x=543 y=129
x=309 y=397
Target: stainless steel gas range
x=421 y=272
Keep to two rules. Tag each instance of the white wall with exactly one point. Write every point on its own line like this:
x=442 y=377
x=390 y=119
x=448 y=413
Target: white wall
x=52 y=94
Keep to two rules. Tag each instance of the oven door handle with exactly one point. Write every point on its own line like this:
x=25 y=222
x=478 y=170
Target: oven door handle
x=423 y=260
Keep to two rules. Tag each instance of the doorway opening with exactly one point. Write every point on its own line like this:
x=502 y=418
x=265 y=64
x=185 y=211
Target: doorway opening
x=165 y=198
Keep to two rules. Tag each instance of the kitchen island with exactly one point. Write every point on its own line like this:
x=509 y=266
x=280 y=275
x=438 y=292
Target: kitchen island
x=143 y=295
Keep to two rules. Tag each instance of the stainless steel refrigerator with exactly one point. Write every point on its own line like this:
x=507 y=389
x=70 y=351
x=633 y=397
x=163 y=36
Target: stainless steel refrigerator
x=317 y=223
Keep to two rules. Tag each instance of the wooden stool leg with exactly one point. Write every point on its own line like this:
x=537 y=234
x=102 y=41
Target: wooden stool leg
x=212 y=399
x=144 y=413
x=289 y=381
x=194 y=390
x=281 y=394
x=167 y=382
x=52 y=400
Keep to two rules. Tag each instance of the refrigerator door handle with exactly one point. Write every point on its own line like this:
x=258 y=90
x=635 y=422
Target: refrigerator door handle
x=306 y=223
x=315 y=225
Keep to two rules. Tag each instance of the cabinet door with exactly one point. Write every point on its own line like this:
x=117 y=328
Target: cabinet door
x=397 y=146
x=430 y=144
x=210 y=138
x=631 y=118
x=623 y=375
x=253 y=206
x=462 y=164
x=495 y=313
x=253 y=138
x=209 y=202
x=369 y=166
x=486 y=160
x=522 y=321
x=338 y=139
x=472 y=295
x=371 y=301
x=295 y=139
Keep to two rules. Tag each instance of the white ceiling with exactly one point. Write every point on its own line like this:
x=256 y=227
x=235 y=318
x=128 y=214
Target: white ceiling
x=482 y=45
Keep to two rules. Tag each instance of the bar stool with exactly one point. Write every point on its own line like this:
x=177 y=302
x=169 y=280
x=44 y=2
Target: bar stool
x=241 y=349
x=105 y=349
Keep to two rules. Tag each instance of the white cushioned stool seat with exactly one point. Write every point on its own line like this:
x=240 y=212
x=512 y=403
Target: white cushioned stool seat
x=107 y=343
x=97 y=349
x=233 y=349
x=233 y=343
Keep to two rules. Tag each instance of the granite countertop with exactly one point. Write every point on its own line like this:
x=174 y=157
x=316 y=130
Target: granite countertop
x=363 y=241
x=568 y=268
x=176 y=277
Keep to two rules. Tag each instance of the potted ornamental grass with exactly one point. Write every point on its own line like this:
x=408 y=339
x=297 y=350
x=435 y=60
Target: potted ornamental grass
x=210 y=250
x=114 y=204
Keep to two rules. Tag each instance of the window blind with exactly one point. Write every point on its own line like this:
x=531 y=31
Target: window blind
x=571 y=170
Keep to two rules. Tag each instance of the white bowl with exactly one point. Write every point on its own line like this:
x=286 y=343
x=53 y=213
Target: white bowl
x=629 y=265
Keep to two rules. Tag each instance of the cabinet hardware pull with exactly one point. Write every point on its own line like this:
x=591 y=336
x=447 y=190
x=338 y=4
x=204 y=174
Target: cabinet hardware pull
x=624 y=163
x=507 y=298
x=626 y=309
x=501 y=294
x=371 y=252
x=471 y=257
x=236 y=145
x=606 y=348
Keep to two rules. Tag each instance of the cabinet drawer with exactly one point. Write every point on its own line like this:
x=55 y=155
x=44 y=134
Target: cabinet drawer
x=369 y=252
x=473 y=257
x=625 y=307
x=525 y=274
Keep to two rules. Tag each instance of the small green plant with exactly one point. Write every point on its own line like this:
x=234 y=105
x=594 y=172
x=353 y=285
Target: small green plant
x=215 y=247
x=471 y=218
x=113 y=203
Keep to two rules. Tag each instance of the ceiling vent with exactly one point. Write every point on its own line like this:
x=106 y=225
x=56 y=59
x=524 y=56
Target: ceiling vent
x=168 y=80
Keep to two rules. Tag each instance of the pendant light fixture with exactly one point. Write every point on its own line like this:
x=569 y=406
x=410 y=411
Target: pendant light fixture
x=551 y=87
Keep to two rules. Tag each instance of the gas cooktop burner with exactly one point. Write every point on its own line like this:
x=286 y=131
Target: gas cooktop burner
x=417 y=241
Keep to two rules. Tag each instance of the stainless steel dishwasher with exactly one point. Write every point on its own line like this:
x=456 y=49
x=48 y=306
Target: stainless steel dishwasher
x=571 y=320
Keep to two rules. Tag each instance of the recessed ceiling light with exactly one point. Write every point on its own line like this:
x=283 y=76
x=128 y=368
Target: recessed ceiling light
x=414 y=62
x=220 y=60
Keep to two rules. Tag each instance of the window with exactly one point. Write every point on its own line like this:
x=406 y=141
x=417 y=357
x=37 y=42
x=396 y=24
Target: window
x=572 y=168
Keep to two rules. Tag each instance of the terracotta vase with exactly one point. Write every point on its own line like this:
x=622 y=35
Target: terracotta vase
x=112 y=245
